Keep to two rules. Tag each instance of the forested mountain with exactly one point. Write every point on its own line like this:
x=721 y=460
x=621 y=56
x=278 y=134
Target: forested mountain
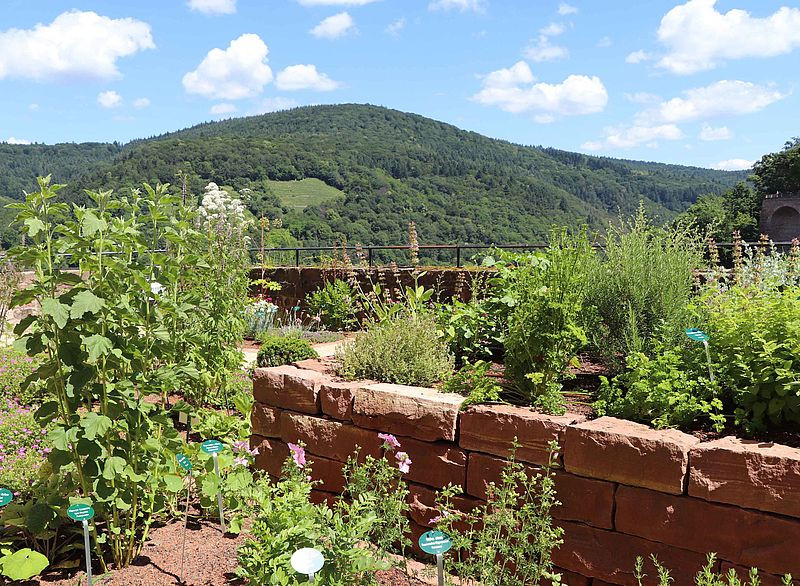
x=393 y=167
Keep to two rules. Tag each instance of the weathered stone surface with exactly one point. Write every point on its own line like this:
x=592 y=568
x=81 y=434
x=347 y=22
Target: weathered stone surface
x=328 y=438
x=756 y=475
x=336 y=399
x=329 y=473
x=436 y=464
x=423 y=504
x=629 y=453
x=412 y=411
x=610 y=556
x=272 y=454
x=319 y=497
x=582 y=499
x=316 y=364
x=266 y=420
x=743 y=573
x=492 y=428
x=745 y=537
x=288 y=387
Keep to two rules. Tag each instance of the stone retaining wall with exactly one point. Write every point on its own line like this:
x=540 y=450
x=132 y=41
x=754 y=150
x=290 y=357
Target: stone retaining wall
x=627 y=490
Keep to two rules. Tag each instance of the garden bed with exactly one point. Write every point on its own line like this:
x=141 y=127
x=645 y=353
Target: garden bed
x=626 y=489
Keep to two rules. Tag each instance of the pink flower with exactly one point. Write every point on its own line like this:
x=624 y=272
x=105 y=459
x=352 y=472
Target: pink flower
x=298 y=455
x=240 y=461
x=403 y=462
x=389 y=441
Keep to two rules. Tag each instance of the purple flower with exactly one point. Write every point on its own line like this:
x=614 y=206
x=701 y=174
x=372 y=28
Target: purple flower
x=298 y=455
x=240 y=461
x=389 y=441
x=241 y=446
x=403 y=462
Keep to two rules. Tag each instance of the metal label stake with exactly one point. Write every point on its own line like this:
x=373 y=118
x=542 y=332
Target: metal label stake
x=213 y=447
x=307 y=561
x=186 y=464
x=436 y=543
x=701 y=336
x=83 y=513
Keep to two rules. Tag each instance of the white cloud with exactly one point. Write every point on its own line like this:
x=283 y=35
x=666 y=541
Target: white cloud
x=273 y=105
x=335 y=2
x=395 y=27
x=141 y=103
x=240 y=71
x=223 y=108
x=722 y=98
x=638 y=57
x=513 y=90
x=544 y=50
x=642 y=98
x=334 y=27
x=733 y=165
x=33 y=107
x=76 y=45
x=460 y=5
x=304 y=77
x=631 y=136
x=109 y=99
x=709 y=133
x=698 y=37
x=213 y=6
x=604 y=42
x=564 y=9
x=12 y=140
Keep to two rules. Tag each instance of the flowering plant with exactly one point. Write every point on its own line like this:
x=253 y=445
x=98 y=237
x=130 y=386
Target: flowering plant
x=23 y=447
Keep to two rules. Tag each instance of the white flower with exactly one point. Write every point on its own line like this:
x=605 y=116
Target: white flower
x=156 y=288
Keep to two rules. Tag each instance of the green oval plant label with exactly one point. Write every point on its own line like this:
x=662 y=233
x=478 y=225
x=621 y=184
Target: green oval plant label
x=6 y=496
x=212 y=446
x=435 y=542
x=696 y=335
x=80 y=512
x=184 y=461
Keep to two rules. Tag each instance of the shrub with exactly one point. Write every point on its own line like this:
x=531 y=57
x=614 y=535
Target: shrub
x=335 y=305
x=473 y=381
x=279 y=350
x=707 y=576
x=640 y=291
x=404 y=349
x=23 y=447
x=544 y=332
x=15 y=367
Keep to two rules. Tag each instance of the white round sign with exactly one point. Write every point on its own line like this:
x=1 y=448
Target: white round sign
x=307 y=561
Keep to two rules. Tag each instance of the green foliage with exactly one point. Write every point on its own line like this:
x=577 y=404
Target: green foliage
x=403 y=349
x=23 y=447
x=15 y=367
x=335 y=305
x=544 y=331
x=507 y=541
x=473 y=381
x=300 y=194
x=279 y=350
x=707 y=576
x=640 y=291
x=779 y=172
x=671 y=389
x=22 y=564
x=738 y=209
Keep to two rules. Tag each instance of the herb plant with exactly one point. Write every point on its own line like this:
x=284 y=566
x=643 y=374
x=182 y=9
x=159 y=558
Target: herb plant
x=279 y=350
x=335 y=305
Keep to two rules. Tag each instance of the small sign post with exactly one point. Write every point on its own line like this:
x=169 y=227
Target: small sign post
x=701 y=336
x=83 y=513
x=213 y=447
x=436 y=543
x=6 y=496
x=307 y=561
x=186 y=464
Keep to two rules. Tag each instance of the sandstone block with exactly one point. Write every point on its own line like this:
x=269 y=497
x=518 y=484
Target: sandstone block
x=329 y=473
x=742 y=536
x=336 y=399
x=288 y=387
x=423 y=504
x=266 y=420
x=272 y=454
x=436 y=464
x=492 y=428
x=412 y=411
x=328 y=438
x=755 y=475
x=629 y=453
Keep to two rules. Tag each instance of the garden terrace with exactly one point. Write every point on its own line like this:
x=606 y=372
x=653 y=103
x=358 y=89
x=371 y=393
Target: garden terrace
x=626 y=490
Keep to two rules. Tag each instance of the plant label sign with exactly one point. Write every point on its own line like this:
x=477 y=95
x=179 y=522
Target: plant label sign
x=83 y=513
x=696 y=335
x=307 y=561
x=80 y=512
x=212 y=446
x=184 y=462
x=435 y=542
x=6 y=496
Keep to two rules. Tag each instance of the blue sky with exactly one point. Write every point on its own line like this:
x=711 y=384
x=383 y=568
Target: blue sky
x=701 y=82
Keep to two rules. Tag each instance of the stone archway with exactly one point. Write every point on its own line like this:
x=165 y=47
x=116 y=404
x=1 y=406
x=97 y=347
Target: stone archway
x=785 y=223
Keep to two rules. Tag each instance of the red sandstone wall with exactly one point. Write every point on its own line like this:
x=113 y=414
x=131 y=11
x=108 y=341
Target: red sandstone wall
x=627 y=490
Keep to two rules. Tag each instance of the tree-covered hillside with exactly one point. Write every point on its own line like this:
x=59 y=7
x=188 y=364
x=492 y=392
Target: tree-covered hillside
x=394 y=167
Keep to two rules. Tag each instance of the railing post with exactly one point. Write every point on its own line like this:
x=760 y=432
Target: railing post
x=369 y=255
x=297 y=257
x=458 y=256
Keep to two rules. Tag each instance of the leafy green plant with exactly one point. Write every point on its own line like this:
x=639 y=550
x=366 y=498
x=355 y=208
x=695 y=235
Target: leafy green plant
x=707 y=576
x=279 y=350
x=507 y=541
x=22 y=564
x=473 y=381
x=544 y=328
x=335 y=305
x=15 y=367
x=23 y=447
x=403 y=349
